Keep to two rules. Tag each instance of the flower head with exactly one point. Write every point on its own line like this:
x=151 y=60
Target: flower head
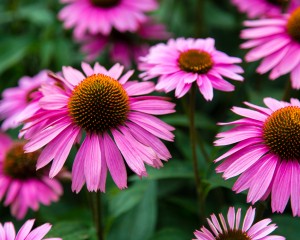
x=232 y=229
x=101 y=16
x=182 y=62
x=21 y=185
x=21 y=100
x=115 y=118
x=264 y=8
x=277 y=42
x=7 y=231
x=123 y=47
x=266 y=154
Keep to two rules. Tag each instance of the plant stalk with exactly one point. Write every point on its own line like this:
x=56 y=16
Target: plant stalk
x=193 y=139
x=97 y=214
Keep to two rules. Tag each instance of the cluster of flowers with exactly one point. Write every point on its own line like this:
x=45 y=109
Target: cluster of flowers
x=112 y=119
x=119 y=26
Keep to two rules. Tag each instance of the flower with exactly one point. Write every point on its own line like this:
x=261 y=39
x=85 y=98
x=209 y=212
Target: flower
x=232 y=230
x=21 y=99
x=264 y=8
x=100 y=16
x=123 y=47
x=23 y=186
x=277 y=42
x=116 y=119
x=267 y=153
x=181 y=62
x=7 y=231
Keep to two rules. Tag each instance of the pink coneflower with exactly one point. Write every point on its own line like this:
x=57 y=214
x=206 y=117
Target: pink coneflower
x=123 y=47
x=116 y=119
x=232 y=229
x=21 y=99
x=182 y=62
x=100 y=16
x=7 y=231
x=277 y=42
x=267 y=153
x=264 y=8
x=22 y=185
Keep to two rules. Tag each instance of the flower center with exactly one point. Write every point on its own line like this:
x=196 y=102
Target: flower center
x=99 y=103
x=281 y=133
x=278 y=2
x=195 y=61
x=105 y=3
x=20 y=165
x=293 y=25
x=233 y=235
x=30 y=95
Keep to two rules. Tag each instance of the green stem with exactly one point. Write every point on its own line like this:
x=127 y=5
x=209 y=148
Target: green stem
x=199 y=140
x=192 y=128
x=287 y=91
x=203 y=150
x=97 y=214
x=199 y=19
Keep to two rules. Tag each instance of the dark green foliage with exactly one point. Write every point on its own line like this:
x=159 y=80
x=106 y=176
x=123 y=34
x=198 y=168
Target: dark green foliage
x=162 y=206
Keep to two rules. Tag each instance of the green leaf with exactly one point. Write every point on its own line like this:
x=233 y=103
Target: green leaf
x=215 y=180
x=47 y=50
x=36 y=14
x=139 y=222
x=182 y=120
x=288 y=226
x=12 y=50
x=187 y=204
x=217 y=17
x=70 y=230
x=126 y=199
x=171 y=234
x=172 y=169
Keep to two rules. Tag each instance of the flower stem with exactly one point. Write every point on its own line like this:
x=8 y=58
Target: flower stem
x=287 y=91
x=199 y=19
x=202 y=148
x=97 y=214
x=192 y=128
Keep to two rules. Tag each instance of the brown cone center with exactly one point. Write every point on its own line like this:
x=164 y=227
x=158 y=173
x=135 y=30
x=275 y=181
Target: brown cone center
x=278 y=2
x=195 y=61
x=20 y=165
x=98 y=104
x=293 y=25
x=105 y=3
x=281 y=133
x=233 y=235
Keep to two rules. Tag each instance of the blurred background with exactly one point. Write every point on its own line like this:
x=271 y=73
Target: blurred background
x=162 y=206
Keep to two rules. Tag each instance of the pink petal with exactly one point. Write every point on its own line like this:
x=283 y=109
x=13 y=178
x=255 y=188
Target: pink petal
x=231 y=218
x=245 y=161
x=206 y=88
x=115 y=162
x=25 y=230
x=88 y=70
x=92 y=162
x=128 y=151
x=63 y=152
x=295 y=188
x=248 y=220
x=281 y=189
x=10 y=231
x=72 y=75
x=39 y=232
x=78 y=177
